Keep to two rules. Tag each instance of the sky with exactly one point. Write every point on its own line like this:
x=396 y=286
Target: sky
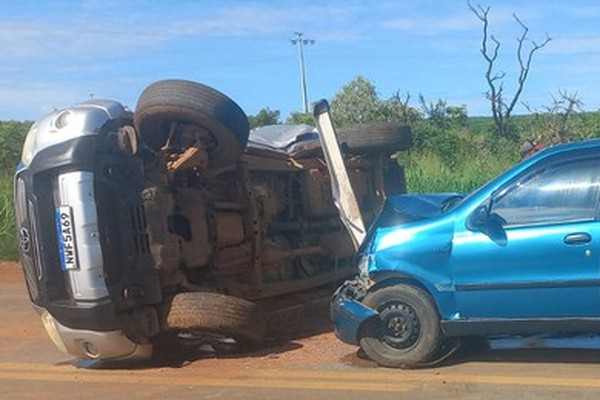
x=56 y=53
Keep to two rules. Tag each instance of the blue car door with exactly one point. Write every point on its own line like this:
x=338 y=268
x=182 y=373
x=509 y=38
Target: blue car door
x=538 y=253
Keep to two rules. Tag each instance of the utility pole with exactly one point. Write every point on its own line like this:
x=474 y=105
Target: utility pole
x=300 y=41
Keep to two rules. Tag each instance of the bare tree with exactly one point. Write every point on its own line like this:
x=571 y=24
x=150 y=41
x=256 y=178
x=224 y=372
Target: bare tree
x=490 y=46
x=554 y=121
x=400 y=103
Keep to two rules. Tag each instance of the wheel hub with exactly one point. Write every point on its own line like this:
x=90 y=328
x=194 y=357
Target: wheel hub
x=400 y=325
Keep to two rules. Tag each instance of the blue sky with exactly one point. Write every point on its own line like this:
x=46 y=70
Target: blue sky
x=56 y=53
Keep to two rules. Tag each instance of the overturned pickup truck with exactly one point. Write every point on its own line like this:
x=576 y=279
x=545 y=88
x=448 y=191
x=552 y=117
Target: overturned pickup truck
x=176 y=221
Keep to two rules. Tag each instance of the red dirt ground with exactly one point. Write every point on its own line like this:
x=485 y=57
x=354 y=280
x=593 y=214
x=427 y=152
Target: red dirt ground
x=10 y=272
x=308 y=351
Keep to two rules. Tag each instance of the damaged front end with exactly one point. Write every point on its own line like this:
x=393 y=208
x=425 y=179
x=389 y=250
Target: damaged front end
x=403 y=242
x=348 y=314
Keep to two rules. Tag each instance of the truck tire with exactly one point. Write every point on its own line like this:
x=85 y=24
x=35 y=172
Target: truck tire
x=394 y=179
x=379 y=137
x=167 y=101
x=213 y=313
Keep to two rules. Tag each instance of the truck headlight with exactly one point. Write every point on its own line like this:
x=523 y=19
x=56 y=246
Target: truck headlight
x=50 y=130
x=29 y=145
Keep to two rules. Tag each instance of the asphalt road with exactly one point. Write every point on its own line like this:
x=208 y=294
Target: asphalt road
x=312 y=367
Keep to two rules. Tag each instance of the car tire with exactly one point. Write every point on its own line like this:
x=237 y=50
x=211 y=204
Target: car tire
x=407 y=332
x=213 y=313
x=379 y=137
x=167 y=101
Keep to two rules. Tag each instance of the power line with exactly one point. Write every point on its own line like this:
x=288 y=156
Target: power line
x=300 y=41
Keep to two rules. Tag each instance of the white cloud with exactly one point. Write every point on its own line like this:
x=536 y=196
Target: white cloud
x=427 y=26
x=574 y=45
x=38 y=40
x=32 y=100
x=423 y=22
x=86 y=35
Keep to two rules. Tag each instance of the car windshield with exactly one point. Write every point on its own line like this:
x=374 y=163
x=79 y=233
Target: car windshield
x=451 y=203
x=490 y=183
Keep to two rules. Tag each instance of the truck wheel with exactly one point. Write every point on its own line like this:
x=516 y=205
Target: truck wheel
x=167 y=101
x=407 y=332
x=394 y=179
x=195 y=313
x=379 y=137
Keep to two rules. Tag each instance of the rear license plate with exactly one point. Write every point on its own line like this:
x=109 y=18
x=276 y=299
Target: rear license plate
x=66 y=238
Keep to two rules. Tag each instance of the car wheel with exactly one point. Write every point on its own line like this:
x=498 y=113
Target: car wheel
x=407 y=332
x=164 y=102
x=379 y=137
x=195 y=314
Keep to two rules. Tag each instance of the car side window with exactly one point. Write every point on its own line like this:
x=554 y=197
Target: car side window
x=559 y=193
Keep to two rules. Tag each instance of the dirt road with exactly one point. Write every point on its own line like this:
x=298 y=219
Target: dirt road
x=313 y=367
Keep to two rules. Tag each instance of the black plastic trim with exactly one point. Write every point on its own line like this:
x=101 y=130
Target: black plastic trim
x=320 y=107
x=504 y=326
x=527 y=285
x=74 y=154
x=96 y=316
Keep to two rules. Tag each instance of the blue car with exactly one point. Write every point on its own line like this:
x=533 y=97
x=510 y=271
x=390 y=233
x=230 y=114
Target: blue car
x=520 y=255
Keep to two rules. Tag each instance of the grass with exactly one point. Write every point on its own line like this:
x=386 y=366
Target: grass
x=8 y=227
x=428 y=172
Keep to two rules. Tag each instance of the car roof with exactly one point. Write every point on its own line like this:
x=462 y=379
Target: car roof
x=571 y=146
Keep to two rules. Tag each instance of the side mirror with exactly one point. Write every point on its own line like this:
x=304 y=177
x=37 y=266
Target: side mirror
x=479 y=218
x=490 y=224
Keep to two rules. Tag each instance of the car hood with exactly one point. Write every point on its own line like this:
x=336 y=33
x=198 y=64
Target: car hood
x=407 y=209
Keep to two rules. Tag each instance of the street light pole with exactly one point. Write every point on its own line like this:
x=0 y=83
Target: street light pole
x=300 y=41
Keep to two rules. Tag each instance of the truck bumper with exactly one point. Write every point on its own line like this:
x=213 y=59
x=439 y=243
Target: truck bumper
x=110 y=345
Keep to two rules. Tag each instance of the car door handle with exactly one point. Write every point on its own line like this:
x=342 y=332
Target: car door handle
x=578 y=238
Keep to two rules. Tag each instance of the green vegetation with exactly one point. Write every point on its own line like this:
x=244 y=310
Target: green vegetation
x=452 y=152
x=12 y=134
x=8 y=239
x=454 y=158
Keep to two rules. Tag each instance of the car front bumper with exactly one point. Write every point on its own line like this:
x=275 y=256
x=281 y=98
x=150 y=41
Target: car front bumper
x=349 y=315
